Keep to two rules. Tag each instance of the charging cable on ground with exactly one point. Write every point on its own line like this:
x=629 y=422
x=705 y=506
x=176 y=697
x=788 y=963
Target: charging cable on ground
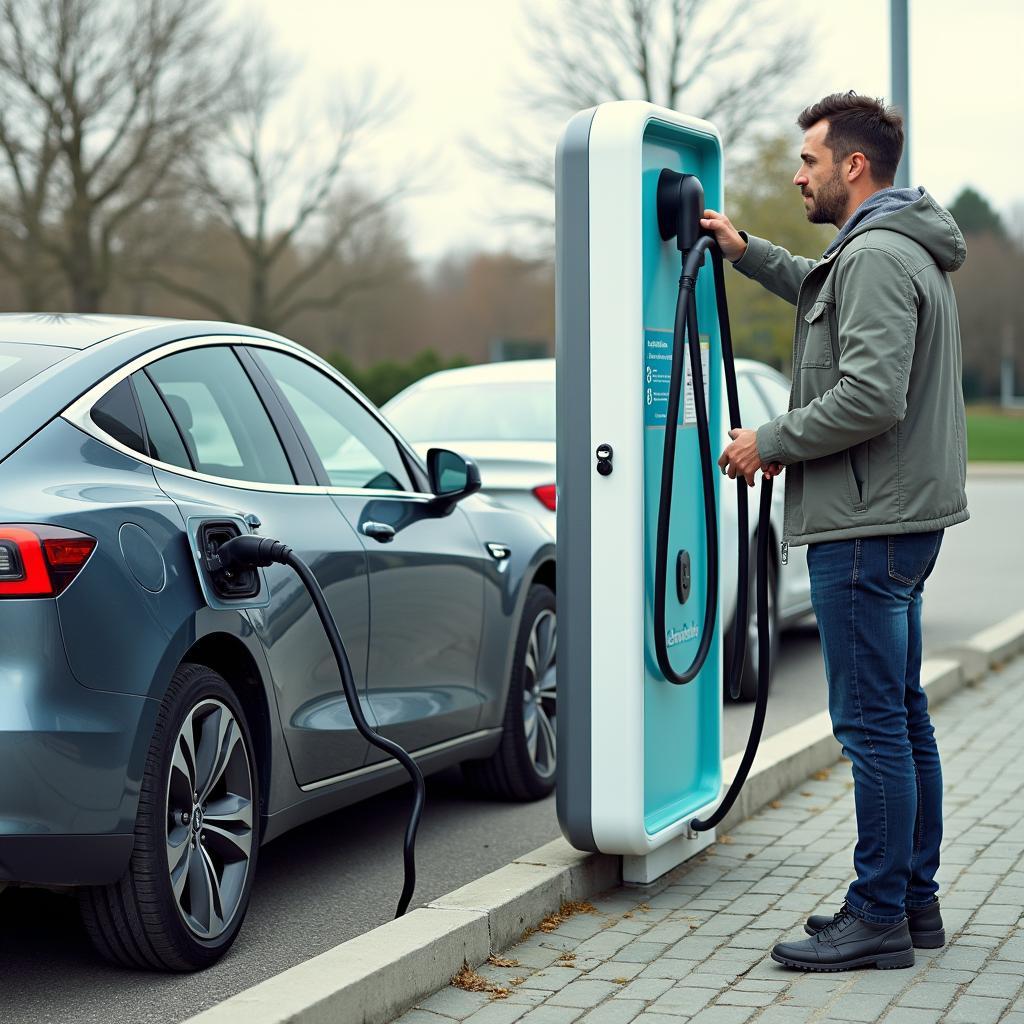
x=680 y=205
x=247 y=552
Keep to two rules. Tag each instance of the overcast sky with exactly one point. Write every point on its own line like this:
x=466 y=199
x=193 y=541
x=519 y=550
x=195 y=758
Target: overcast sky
x=458 y=61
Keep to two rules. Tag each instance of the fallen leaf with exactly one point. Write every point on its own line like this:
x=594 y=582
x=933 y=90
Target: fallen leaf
x=567 y=909
x=501 y=961
x=470 y=981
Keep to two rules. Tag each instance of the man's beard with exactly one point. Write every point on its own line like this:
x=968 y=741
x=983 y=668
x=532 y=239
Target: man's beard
x=829 y=202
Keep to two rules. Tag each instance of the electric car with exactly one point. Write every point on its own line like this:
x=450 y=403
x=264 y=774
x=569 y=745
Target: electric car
x=158 y=721
x=503 y=414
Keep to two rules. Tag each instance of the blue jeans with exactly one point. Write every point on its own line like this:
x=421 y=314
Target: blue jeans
x=867 y=597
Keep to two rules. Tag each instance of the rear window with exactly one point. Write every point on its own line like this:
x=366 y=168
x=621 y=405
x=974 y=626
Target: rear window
x=479 y=412
x=18 y=363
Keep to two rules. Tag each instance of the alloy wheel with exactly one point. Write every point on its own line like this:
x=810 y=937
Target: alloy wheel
x=209 y=818
x=539 y=693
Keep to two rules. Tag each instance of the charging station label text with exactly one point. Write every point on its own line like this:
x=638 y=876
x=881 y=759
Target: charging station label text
x=658 y=377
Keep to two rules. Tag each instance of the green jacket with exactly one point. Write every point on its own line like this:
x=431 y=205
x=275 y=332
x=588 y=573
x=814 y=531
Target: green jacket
x=875 y=439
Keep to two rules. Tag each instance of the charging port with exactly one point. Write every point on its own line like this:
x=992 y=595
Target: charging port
x=233 y=584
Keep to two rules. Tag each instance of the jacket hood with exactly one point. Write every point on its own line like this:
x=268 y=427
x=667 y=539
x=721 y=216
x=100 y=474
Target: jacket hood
x=914 y=213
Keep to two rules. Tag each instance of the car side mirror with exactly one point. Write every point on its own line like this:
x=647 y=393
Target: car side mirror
x=452 y=476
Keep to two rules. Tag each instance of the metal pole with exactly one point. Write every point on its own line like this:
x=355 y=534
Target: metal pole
x=900 y=77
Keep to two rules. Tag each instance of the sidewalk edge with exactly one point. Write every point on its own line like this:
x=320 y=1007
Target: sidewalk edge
x=376 y=976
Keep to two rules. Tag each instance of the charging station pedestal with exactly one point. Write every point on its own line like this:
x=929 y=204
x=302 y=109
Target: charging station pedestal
x=638 y=757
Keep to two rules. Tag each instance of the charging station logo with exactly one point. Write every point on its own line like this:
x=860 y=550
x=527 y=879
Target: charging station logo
x=680 y=636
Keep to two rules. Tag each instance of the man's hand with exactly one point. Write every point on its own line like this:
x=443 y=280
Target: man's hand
x=728 y=238
x=741 y=458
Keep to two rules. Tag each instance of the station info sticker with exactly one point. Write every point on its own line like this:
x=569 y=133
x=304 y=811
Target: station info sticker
x=658 y=377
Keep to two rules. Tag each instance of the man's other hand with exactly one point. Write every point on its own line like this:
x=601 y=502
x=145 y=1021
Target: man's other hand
x=729 y=240
x=741 y=458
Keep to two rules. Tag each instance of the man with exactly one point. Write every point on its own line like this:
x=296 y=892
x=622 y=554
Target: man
x=875 y=444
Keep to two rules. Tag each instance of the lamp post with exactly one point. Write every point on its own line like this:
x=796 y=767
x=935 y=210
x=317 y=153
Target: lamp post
x=900 y=79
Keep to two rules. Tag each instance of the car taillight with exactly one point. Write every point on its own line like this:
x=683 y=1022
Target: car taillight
x=40 y=561
x=547 y=496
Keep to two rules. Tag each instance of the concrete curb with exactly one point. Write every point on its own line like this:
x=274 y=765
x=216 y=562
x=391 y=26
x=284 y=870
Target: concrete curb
x=375 y=977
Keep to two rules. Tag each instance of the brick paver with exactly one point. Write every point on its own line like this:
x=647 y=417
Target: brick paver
x=694 y=947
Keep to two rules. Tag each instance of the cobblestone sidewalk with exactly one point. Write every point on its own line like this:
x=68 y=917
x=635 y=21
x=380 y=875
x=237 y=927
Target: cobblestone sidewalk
x=696 y=947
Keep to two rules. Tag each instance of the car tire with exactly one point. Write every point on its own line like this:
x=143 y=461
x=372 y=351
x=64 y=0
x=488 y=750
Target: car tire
x=178 y=914
x=523 y=766
x=748 y=680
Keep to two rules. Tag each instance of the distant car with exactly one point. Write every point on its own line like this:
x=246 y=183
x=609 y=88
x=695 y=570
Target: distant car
x=503 y=416
x=153 y=734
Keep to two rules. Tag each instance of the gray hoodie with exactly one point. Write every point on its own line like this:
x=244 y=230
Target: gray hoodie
x=875 y=439
x=877 y=205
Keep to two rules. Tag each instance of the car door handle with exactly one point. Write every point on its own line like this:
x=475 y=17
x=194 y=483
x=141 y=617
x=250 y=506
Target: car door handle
x=382 y=532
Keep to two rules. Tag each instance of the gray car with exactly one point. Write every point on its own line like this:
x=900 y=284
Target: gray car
x=154 y=735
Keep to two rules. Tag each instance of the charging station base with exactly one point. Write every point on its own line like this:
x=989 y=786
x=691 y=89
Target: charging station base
x=646 y=868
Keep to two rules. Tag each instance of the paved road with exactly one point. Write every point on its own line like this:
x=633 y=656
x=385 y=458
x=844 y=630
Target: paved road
x=337 y=877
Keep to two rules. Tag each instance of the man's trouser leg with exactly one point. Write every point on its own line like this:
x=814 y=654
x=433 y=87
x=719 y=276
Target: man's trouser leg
x=864 y=592
x=922 y=888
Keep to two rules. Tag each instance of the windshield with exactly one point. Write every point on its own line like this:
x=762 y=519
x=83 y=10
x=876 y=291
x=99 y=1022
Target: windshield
x=20 y=362
x=480 y=412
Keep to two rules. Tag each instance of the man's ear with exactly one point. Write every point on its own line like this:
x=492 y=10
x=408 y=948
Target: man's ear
x=858 y=167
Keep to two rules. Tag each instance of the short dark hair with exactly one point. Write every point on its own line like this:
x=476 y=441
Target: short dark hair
x=860 y=124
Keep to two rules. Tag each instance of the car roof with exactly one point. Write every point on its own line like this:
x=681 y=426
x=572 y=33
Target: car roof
x=512 y=371
x=69 y=330
x=529 y=371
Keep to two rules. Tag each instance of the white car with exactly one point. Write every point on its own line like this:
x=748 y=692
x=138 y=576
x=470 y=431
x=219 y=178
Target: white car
x=502 y=415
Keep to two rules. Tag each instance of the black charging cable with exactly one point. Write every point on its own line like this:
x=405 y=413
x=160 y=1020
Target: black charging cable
x=686 y=328
x=763 y=667
x=248 y=551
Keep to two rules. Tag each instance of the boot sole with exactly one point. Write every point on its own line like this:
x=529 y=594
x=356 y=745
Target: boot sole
x=921 y=940
x=883 y=961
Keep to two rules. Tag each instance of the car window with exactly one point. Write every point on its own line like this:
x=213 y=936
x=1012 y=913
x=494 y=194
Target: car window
x=489 y=412
x=775 y=392
x=117 y=415
x=219 y=416
x=355 y=448
x=18 y=363
x=165 y=443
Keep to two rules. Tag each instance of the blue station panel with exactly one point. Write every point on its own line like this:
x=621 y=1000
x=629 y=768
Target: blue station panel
x=682 y=724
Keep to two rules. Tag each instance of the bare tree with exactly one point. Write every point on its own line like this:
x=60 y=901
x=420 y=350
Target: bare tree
x=718 y=61
x=99 y=101
x=305 y=231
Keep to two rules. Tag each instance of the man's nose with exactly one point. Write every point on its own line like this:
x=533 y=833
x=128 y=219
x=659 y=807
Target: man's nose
x=799 y=179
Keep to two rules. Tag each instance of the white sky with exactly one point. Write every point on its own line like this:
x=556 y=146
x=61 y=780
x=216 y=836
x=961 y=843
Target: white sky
x=458 y=60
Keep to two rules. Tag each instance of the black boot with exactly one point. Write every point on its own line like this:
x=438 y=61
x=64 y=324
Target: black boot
x=926 y=931
x=846 y=942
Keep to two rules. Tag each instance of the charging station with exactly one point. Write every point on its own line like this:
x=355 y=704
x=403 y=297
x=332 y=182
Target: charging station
x=638 y=757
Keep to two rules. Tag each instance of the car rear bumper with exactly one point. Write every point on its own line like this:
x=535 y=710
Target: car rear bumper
x=71 y=759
